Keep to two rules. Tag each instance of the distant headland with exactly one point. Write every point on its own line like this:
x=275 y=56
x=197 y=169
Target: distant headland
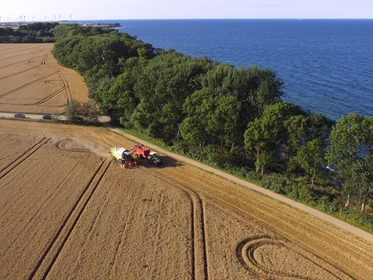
x=99 y=24
x=108 y=25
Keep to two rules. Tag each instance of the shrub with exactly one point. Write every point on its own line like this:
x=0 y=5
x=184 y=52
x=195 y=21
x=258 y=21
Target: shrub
x=306 y=194
x=324 y=202
x=292 y=191
x=275 y=184
x=252 y=175
x=77 y=111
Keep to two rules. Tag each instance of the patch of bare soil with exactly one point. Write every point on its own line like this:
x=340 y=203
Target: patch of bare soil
x=33 y=82
x=69 y=212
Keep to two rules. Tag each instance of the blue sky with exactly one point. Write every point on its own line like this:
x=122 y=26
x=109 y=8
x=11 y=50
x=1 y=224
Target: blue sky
x=175 y=9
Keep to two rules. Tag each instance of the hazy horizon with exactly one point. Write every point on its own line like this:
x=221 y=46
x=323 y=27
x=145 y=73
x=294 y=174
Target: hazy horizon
x=52 y=10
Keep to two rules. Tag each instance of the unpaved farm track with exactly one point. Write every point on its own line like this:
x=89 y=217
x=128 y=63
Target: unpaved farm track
x=33 y=82
x=67 y=212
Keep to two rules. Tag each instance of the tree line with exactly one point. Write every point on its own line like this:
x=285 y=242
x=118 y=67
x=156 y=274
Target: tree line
x=233 y=118
x=38 y=32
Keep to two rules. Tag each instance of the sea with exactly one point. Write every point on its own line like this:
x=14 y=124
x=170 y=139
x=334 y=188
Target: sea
x=326 y=64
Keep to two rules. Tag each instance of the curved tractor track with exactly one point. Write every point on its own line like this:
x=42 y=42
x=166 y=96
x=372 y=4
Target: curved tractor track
x=199 y=251
x=252 y=254
x=65 y=142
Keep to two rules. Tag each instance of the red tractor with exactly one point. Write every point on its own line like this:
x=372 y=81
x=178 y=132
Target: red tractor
x=140 y=151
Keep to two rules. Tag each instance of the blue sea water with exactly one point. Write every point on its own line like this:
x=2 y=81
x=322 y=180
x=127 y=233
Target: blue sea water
x=326 y=65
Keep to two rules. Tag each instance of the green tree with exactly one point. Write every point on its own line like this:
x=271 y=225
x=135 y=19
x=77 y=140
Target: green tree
x=310 y=157
x=296 y=127
x=261 y=139
x=350 y=141
x=72 y=109
x=86 y=111
x=266 y=134
x=162 y=88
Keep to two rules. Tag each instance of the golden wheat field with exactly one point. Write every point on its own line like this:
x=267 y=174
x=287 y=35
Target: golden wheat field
x=68 y=212
x=31 y=80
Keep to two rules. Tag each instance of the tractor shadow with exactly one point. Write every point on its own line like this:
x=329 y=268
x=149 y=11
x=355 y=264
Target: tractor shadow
x=167 y=163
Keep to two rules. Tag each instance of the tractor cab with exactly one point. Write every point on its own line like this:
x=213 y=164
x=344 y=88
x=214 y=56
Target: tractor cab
x=154 y=159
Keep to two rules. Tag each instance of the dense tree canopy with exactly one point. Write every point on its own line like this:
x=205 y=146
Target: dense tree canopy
x=37 y=32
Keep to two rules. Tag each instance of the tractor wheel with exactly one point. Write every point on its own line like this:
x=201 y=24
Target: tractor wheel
x=120 y=162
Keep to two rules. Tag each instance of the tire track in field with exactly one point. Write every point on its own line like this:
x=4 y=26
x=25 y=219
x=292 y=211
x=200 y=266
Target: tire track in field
x=246 y=253
x=23 y=157
x=50 y=96
x=23 y=71
x=198 y=227
x=261 y=209
x=27 y=84
x=18 y=55
x=62 y=146
x=20 y=72
x=91 y=229
x=26 y=226
x=54 y=248
x=44 y=59
x=66 y=84
x=29 y=59
x=20 y=49
x=307 y=228
x=14 y=47
x=129 y=220
x=288 y=217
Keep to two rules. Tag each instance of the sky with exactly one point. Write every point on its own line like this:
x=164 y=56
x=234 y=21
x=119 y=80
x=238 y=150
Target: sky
x=41 y=10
